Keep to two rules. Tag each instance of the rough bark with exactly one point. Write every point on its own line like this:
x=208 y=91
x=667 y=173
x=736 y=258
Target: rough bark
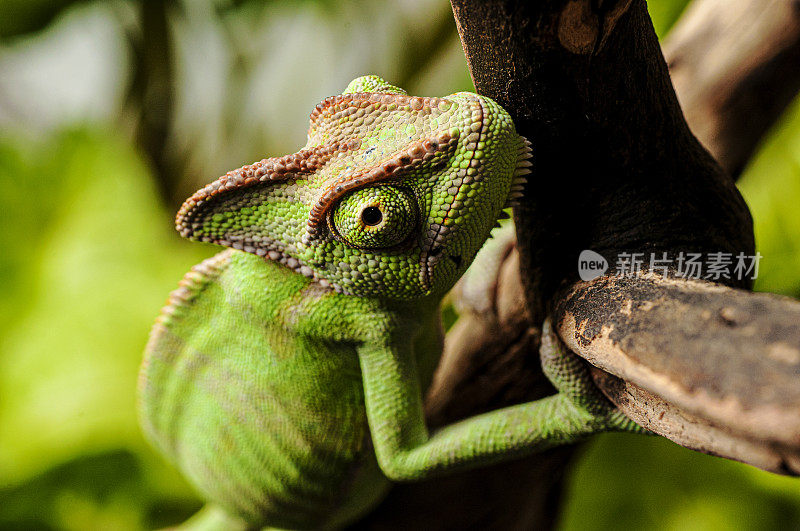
x=712 y=368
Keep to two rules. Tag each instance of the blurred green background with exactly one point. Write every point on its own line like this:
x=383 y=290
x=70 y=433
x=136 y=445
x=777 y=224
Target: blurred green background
x=112 y=112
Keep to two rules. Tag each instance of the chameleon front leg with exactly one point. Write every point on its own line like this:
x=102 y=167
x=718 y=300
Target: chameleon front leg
x=405 y=450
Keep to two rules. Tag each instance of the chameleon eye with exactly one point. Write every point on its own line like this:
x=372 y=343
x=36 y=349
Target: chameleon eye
x=375 y=218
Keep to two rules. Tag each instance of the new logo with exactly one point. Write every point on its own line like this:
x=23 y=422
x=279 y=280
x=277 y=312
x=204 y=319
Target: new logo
x=591 y=265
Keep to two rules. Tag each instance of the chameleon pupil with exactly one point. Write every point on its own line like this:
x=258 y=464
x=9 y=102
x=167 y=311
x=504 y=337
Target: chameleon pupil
x=371 y=216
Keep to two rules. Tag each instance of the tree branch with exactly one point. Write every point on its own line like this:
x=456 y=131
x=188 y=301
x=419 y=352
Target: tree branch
x=753 y=82
x=710 y=367
x=735 y=69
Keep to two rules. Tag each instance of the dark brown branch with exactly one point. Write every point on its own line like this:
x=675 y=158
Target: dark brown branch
x=697 y=436
x=654 y=405
x=735 y=68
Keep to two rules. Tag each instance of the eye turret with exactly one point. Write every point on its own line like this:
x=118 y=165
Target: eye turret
x=375 y=218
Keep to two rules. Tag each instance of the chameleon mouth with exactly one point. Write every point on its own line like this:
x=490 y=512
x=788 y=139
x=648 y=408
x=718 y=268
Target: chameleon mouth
x=428 y=263
x=433 y=259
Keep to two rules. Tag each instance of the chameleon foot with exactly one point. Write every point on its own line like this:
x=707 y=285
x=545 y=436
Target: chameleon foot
x=570 y=376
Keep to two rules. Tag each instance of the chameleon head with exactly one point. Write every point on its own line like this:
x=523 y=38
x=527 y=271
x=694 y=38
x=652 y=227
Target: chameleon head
x=392 y=196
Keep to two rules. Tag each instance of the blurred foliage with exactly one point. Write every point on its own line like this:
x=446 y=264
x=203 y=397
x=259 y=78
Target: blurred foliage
x=88 y=259
x=89 y=254
x=629 y=482
x=771 y=186
x=25 y=16
x=665 y=13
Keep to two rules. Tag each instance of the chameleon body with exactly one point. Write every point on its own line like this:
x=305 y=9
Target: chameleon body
x=285 y=376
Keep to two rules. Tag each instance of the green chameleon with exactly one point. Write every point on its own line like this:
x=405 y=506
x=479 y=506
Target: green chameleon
x=285 y=376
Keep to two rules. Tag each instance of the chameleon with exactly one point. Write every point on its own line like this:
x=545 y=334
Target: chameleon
x=285 y=376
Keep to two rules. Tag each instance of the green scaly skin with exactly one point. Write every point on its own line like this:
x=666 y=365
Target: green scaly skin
x=285 y=376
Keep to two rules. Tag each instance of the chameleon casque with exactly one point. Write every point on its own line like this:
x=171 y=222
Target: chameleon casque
x=285 y=376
